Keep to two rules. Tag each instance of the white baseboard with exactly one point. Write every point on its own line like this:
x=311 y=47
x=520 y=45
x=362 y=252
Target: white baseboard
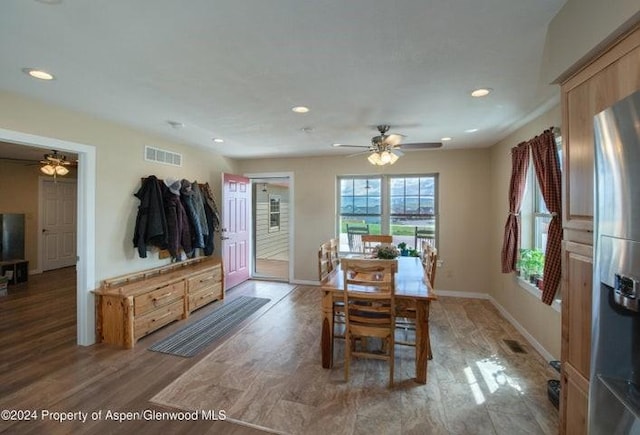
x=521 y=329
x=458 y=294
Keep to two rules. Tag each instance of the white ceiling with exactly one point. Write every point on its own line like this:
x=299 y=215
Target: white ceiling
x=234 y=68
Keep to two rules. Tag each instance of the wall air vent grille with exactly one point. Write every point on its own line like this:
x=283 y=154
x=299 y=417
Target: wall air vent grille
x=152 y=154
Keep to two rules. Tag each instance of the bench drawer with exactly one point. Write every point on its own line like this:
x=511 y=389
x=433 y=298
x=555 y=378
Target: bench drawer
x=205 y=296
x=147 y=302
x=158 y=318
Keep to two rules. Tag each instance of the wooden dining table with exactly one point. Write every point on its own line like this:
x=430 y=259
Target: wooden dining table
x=413 y=295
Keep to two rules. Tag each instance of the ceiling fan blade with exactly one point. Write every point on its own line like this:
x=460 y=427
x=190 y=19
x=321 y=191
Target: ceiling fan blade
x=341 y=145
x=397 y=152
x=358 y=154
x=420 y=146
x=393 y=139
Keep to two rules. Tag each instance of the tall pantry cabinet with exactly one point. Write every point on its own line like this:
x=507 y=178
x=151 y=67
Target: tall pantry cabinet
x=610 y=77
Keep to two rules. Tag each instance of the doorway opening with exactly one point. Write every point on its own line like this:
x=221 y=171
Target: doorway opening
x=271 y=227
x=86 y=188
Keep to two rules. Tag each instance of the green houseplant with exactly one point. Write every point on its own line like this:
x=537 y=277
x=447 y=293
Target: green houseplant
x=386 y=252
x=402 y=246
x=530 y=264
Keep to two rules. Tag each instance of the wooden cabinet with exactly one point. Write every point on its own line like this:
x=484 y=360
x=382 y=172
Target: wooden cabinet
x=575 y=393
x=132 y=306
x=610 y=77
x=204 y=288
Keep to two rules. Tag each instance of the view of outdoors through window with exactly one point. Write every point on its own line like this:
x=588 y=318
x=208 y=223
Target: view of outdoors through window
x=531 y=261
x=405 y=207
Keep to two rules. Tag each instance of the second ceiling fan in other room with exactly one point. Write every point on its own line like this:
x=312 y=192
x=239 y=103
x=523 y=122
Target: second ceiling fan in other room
x=386 y=148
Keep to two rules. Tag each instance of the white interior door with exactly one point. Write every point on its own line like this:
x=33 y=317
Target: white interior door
x=58 y=219
x=236 y=198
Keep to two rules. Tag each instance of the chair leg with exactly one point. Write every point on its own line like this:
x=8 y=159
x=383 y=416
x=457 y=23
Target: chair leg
x=391 y=359
x=429 y=354
x=347 y=355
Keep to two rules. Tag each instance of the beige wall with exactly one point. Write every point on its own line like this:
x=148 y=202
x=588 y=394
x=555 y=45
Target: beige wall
x=464 y=184
x=19 y=194
x=120 y=166
x=540 y=321
x=582 y=28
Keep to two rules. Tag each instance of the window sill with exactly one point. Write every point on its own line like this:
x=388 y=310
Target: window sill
x=535 y=291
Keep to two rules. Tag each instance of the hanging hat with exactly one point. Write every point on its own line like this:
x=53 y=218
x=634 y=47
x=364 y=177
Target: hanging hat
x=173 y=184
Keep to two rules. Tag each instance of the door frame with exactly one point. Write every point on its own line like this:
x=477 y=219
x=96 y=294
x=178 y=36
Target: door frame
x=86 y=184
x=292 y=218
x=41 y=180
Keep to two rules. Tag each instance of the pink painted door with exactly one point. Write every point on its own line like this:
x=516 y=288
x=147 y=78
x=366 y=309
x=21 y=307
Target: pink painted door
x=236 y=200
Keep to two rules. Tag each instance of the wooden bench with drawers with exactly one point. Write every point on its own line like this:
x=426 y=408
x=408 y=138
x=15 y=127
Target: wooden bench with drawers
x=131 y=306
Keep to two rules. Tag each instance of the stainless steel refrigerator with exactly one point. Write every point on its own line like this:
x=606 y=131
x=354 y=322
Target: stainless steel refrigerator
x=11 y=236
x=614 y=396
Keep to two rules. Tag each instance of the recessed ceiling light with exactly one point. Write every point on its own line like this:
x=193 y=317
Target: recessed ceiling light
x=481 y=92
x=307 y=129
x=218 y=140
x=471 y=130
x=50 y=2
x=300 y=109
x=38 y=74
x=445 y=139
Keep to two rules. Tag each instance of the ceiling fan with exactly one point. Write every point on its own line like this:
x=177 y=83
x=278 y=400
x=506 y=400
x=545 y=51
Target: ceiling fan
x=386 y=148
x=55 y=164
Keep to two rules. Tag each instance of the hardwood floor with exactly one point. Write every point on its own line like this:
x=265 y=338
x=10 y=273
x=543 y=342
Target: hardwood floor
x=272 y=269
x=476 y=383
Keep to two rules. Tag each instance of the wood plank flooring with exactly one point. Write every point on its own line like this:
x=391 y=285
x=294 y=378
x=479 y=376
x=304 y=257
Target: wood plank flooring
x=476 y=383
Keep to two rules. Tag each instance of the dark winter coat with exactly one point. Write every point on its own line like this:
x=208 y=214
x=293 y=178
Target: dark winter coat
x=151 y=224
x=179 y=233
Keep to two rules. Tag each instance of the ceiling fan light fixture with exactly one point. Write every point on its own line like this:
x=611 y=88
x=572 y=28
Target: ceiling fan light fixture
x=385 y=157
x=61 y=170
x=48 y=169
x=374 y=159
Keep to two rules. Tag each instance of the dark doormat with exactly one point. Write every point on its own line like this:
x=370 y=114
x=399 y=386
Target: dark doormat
x=188 y=341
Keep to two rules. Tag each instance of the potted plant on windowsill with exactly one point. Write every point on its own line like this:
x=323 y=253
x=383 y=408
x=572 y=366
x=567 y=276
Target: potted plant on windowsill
x=530 y=264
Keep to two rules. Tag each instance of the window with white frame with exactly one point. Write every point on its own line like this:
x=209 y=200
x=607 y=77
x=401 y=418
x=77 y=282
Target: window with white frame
x=535 y=219
x=404 y=206
x=274 y=213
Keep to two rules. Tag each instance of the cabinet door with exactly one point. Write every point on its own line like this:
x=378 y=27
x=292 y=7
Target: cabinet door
x=575 y=390
x=576 y=306
x=610 y=78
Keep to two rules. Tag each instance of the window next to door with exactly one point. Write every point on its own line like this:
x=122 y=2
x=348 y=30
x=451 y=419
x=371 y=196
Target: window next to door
x=400 y=205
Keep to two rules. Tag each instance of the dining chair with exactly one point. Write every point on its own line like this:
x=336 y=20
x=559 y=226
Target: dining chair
x=424 y=234
x=328 y=260
x=354 y=236
x=429 y=257
x=406 y=323
x=370 y=241
x=369 y=300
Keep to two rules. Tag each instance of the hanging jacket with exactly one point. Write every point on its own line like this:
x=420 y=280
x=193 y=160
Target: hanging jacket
x=210 y=199
x=151 y=224
x=179 y=232
x=186 y=195
x=198 y=203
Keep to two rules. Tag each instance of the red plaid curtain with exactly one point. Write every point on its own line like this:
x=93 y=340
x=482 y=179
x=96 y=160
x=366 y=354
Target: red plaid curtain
x=545 y=163
x=520 y=164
